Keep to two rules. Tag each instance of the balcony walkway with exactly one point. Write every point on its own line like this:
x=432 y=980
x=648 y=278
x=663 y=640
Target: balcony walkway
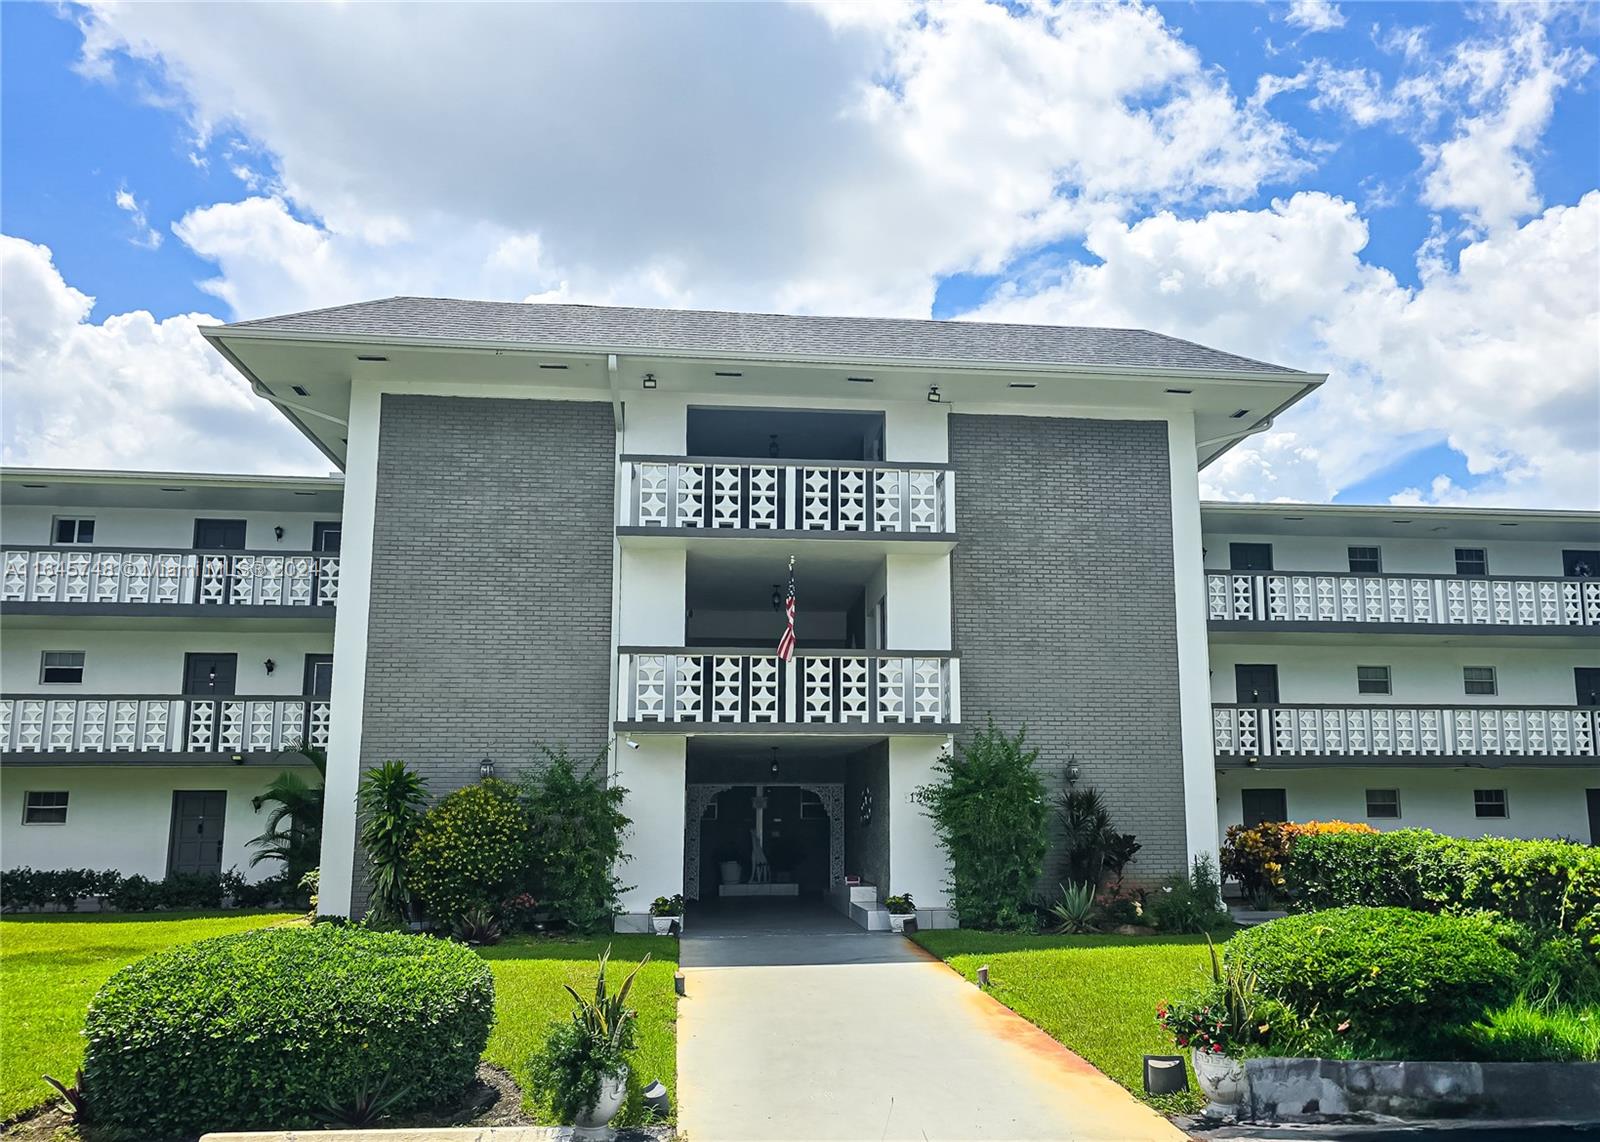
x=798 y=1025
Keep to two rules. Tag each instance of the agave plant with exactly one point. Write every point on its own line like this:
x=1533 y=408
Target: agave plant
x=366 y=1104
x=479 y=926
x=72 y=1100
x=1075 y=909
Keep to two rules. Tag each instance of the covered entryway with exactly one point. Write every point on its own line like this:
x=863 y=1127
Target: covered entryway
x=782 y=823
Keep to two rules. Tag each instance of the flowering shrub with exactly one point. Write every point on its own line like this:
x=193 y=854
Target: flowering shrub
x=1199 y=1023
x=471 y=850
x=1258 y=857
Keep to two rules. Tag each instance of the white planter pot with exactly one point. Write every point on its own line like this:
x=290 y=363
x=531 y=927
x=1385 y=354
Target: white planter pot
x=613 y=1092
x=730 y=871
x=1223 y=1081
x=897 y=920
x=663 y=924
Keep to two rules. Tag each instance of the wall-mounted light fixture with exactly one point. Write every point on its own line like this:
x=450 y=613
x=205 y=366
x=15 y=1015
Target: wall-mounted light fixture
x=933 y=394
x=277 y=532
x=774 y=761
x=772 y=445
x=486 y=768
x=269 y=666
x=238 y=759
x=649 y=381
x=777 y=597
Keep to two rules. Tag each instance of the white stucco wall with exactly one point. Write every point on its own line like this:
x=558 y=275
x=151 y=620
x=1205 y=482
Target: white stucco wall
x=1326 y=672
x=120 y=816
x=131 y=660
x=918 y=593
x=1541 y=803
x=917 y=863
x=654 y=777
x=1398 y=556
x=155 y=527
x=651 y=596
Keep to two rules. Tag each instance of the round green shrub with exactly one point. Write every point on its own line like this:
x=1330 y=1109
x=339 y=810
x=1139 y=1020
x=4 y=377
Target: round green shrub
x=268 y=1029
x=1403 y=981
x=471 y=851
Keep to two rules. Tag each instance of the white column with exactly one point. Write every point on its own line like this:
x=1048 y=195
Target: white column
x=654 y=777
x=350 y=652
x=918 y=591
x=1194 y=667
x=917 y=863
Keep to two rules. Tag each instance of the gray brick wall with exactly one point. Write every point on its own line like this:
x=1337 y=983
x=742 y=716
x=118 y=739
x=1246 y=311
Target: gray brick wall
x=490 y=624
x=1064 y=612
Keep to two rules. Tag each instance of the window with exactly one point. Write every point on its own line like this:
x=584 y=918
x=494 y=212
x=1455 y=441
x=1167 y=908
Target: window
x=1250 y=557
x=74 y=530
x=1472 y=561
x=1580 y=564
x=1373 y=680
x=326 y=535
x=45 y=809
x=61 y=666
x=1365 y=560
x=1383 y=803
x=1262 y=805
x=1479 y=680
x=1489 y=802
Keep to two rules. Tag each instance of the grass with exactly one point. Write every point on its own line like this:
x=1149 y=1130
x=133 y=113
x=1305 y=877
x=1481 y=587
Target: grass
x=1096 y=995
x=51 y=966
x=528 y=974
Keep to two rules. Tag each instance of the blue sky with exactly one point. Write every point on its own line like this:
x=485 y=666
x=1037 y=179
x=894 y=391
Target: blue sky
x=1413 y=134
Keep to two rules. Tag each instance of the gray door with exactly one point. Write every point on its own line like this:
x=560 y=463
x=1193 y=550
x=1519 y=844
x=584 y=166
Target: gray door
x=197 y=818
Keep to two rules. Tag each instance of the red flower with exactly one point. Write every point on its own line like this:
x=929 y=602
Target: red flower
x=1217 y=1047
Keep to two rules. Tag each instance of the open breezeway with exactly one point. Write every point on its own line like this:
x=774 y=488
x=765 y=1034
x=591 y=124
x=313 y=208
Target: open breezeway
x=797 y=1024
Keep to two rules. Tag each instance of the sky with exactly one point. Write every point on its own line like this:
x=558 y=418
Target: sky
x=1406 y=197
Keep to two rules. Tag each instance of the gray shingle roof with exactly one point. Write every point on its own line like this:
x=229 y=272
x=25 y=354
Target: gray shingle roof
x=625 y=329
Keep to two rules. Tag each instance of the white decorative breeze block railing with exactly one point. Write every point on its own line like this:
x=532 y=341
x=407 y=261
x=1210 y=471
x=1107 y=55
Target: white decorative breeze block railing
x=789 y=495
x=829 y=688
x=218 y=578
x=1314 y=597
x=1402 y=731
x=41 y=723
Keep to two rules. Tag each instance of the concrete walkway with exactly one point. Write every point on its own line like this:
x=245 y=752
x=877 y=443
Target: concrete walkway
x=799 y=1025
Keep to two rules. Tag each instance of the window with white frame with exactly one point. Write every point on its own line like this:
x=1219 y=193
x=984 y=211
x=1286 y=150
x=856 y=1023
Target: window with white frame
x=1383 y=803
x=1365 y=560
x=73 y=529
x=1373 y=680
x=45 y=808
x=61 y=666
x=1479 y=680
x=1489 y=802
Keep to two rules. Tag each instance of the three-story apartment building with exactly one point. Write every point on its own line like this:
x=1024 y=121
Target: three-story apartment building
x=573 y=526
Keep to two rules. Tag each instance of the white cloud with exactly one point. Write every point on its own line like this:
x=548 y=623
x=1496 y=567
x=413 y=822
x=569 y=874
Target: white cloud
x=143 y=234
x=1315 y=15
x=1495 y=356
x=127 y=392
x=836 y=158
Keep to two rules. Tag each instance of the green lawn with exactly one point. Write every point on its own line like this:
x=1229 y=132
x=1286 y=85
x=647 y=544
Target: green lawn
x=528 y=974
x=51 y=966
x=1095 y=994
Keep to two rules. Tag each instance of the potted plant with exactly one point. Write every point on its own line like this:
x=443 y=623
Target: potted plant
x=665 y=911
x=1214 y=1026
x=901 y=908
x=584 y=1063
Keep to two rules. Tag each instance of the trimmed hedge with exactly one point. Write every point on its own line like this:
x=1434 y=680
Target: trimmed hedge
x=265 y=1029
x=1257 y=856
x=1543 y=883
x=1404 y=981
x=23 y=889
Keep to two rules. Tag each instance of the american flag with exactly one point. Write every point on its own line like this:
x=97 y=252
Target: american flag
x=786 y=643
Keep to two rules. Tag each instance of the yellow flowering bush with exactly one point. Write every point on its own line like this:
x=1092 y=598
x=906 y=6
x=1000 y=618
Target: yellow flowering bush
x=471 y=851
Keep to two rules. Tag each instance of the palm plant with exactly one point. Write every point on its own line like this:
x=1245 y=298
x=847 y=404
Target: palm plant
x=391 y=800
x=294 y=825
x=1085 y=833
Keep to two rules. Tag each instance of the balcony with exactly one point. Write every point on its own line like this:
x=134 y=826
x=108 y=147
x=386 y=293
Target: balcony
x=1287 y=600
x=918 y=691
x=96 y=579
x=819 y=498
x=1531 y=735
x=32 y=727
